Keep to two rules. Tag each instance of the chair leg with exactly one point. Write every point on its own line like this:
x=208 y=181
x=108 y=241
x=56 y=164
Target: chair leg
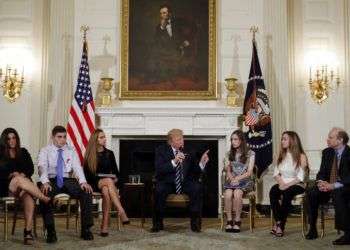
x=118 y=221
x=14 y=221
x=303 y=221
x=251 y=215
x=68 y=214
x=6 y=222
x=119 y=227
x=253 y=212
x=322 y=222
x=222 y=219
x=77 y=216
x=271 y=219
x=34 y=224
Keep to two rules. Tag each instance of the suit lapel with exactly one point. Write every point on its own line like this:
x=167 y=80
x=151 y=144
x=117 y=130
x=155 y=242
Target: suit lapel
x=170 y=152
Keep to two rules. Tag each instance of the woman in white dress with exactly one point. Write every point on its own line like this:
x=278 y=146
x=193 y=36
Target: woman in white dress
x=290 y=172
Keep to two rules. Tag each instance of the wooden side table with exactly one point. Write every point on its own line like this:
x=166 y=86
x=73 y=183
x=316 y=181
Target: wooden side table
x=140 y=189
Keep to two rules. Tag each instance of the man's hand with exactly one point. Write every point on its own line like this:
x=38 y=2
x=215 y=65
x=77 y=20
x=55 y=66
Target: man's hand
x=86 y=187
x=45 y=188
x=205 y=158
x=179 y=158
x=324 y=186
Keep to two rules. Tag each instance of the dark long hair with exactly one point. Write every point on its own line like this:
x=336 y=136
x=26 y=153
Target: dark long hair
x=244 y=149
x=4 y=147
x=295 y=148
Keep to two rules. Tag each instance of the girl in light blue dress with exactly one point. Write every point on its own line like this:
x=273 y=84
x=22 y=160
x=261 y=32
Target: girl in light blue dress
x=239 y=166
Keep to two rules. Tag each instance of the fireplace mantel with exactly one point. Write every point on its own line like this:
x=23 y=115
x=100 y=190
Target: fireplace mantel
x=158 y=119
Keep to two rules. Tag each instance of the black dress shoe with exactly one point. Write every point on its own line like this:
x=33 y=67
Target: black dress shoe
x=87 y=234
x=155 y=229
x=196 y=224
x=311 y=235
x=342 y=241
x=157 y=225
x=51 y=236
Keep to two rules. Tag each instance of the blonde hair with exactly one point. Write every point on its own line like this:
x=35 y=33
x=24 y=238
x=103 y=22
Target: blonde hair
x=90 y=157
x=175 y=132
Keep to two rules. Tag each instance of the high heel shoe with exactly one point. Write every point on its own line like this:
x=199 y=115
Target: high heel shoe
x=236 y=227
x=124 y=218
x=28 y=238
x=104 y=234
x=229 y=226
x=279 y=230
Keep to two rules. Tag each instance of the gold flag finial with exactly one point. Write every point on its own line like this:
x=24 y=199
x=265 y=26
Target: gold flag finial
x=254 y=29
x=84 y=29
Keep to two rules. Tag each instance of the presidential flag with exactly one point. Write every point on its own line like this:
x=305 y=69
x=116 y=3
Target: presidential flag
x=81 y=121
x=257 y=117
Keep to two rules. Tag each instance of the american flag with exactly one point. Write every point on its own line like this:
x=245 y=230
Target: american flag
x=81 y=121
x=251 y=118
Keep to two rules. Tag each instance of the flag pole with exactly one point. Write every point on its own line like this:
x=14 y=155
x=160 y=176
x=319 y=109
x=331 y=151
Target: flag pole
x=84 y=29
x=254 y=29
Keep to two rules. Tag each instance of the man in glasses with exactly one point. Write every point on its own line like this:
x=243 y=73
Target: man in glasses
x=56 y=163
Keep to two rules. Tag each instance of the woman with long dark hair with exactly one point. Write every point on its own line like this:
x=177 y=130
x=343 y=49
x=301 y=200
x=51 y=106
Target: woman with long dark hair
x=16 y=169
x=289 y=173
x=239 y=168
x=101 y=173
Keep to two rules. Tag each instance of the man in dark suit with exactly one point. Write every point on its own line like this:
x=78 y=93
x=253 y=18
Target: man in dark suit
x=333 y=180
x=178 y=172
x=170 y=46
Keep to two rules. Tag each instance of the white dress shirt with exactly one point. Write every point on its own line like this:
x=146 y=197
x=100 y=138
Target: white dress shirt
x=288 y=171
x=47 y=163
x=168 y=28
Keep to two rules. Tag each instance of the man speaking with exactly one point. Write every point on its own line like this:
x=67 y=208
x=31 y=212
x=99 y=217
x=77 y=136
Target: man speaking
x=178 y=172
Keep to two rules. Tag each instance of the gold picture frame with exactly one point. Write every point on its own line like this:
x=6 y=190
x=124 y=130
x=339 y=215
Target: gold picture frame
x=206 y=88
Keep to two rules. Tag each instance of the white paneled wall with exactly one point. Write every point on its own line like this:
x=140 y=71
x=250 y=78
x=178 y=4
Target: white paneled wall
x=318 y=26
x=20 y=45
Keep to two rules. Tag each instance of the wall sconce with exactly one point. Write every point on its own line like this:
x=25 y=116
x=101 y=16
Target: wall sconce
x=11 y=83
x=322 y=82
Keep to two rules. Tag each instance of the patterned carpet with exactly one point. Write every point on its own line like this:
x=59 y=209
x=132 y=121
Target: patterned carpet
x=178 y=236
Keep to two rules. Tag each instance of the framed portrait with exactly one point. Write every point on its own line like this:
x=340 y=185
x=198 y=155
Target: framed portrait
x=168 y=49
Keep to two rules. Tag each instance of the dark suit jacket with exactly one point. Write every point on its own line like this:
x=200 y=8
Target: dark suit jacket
x=165 y=171
x=326 y=166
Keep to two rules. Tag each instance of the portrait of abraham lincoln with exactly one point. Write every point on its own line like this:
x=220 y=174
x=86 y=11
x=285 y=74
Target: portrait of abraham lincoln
x=168 y=48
